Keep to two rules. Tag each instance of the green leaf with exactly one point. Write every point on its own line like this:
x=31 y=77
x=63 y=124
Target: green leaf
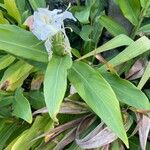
x=36 y=99
x=35 y=4
x=12 y=9
x=15 y=75
x=2 y=19
x=98 y=94
x=112 y=26
x=144 y=3
x=133 y=50
x=5 y=133
x=126 y=92
x=6 y=61
x=130 y=9
x=22 y=107
x=55 y=83
x=145 y=29
x=21 y=5
x=24 y=141
x=118 y=41
x=145 y=77
x=26 y=46
x=5 y=101
x=83 y=15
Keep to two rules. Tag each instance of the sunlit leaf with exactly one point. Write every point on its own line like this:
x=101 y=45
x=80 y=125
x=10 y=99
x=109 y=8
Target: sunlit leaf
x=6 y=60
x=55 y=83
x=15 y=75
x=97 y=93
x=2 y=19
x=27 y=46
x=40 y=125
x=133 y=50
x=130 y=9
x=12 y=9
x=118 y=41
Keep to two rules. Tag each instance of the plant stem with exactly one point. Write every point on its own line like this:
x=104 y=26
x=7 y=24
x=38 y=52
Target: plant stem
x=141 y=18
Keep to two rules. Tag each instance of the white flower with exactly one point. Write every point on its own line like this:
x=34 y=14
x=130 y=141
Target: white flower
x=48 y=23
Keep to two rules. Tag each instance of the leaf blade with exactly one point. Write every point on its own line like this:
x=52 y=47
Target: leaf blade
x=22 y=107
x=88 y=82
x=55 y=83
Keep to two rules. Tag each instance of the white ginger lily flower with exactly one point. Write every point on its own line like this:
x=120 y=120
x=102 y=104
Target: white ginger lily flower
x=46 y=24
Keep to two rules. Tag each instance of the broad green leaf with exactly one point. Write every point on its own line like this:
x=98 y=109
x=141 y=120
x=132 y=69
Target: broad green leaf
x=21 y=106
x=126 y=92
x=112 y=26
x=5 y=61
x=130 y=9
x=145 y=29
x=83 y=15
x=2 y=19
x=55 y=83
x=12 y=9
x=40 y=125
x=22 y=43
x=5 y=133
x=15 y=75
x=145 y=77
x=118 y=41
x=98 y=94
x=135 y=49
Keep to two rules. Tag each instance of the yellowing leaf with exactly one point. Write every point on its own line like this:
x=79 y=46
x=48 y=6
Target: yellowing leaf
x=2 y=19
x=12 y=10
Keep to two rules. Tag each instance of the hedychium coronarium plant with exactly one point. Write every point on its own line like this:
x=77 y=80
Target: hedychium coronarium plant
x=82 y=88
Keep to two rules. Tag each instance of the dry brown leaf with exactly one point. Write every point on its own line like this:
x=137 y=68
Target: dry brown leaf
x=67 y=107
x=137 y=69
x=70 y=137
x=36 y=82
x=144 y=128
x=100 y=136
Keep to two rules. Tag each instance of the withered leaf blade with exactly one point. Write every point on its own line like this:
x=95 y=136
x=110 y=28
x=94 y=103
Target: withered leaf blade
x=70 y=136
x=137 y=69
x=100 y=136
x=67 y=107
x=36 y=82
x=144 y=128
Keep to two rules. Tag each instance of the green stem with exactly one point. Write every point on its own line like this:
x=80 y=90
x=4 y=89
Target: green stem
x=141 y=18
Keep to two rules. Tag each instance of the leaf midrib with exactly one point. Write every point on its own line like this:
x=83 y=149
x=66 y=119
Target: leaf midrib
x=30 y=48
